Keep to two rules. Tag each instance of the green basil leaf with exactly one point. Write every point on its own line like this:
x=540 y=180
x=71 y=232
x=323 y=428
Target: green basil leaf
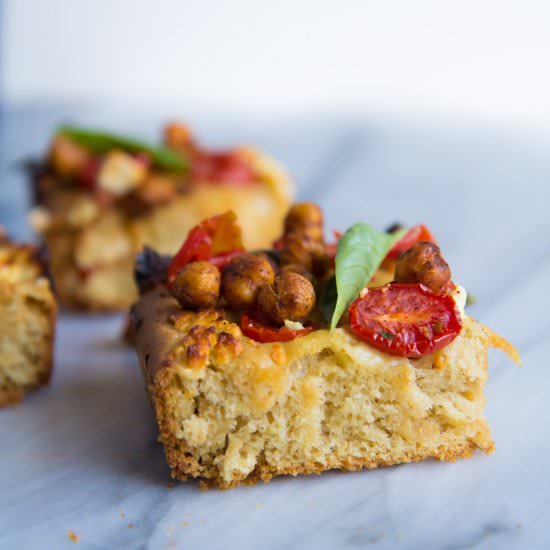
x=360 y=252
x=101 y=142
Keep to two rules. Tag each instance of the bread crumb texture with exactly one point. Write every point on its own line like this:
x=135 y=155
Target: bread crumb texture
x=27 y=323
x=319 y=402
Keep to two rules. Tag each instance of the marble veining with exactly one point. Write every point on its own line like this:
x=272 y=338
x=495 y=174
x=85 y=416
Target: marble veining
x=81 y=456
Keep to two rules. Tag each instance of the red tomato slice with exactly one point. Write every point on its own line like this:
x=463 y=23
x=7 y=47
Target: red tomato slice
x=144 y=159
x=414 y=235
x=88 y=175
x=225 y=232
x=224 y=167
x=221 y=260
x=216 y=239
x=261 y=332
x=279 y=244
x=408 y=320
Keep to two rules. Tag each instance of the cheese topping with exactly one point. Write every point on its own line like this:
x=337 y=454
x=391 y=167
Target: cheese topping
x=459 y=296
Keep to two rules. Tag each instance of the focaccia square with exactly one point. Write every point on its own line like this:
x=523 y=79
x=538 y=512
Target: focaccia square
x=327 y=400
x=27 y=322
x=235 y=405
x=101 y=198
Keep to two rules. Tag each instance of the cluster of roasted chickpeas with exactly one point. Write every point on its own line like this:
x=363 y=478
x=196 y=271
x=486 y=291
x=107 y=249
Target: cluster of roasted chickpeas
x=285 y=289
x=280 y=290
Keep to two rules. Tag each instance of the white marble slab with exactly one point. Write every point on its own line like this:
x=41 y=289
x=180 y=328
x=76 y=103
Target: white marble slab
x=82 y=455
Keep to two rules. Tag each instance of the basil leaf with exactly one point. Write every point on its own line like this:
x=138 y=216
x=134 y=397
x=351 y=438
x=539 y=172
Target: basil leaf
x=360 y=252
x=101 y=142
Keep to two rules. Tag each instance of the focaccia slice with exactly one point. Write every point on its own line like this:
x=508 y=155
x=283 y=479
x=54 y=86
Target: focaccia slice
x=27 y=322
x=232 y=410
x=96 y=211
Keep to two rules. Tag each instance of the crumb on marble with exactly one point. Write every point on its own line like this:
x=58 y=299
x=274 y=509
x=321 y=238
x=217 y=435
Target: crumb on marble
x=258 y=505
x=73 y=536
x=185 y=524
x=130 y=526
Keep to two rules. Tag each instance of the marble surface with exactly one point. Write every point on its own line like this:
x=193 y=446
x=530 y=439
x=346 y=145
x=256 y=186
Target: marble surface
x=81 y=456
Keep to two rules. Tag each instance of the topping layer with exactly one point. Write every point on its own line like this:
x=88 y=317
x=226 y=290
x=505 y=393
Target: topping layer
x=300 y=286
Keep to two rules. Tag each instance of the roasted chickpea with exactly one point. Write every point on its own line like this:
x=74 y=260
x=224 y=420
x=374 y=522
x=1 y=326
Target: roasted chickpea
x=303 y=239
x=242 y=278
x=67 y=157
x=423 y=263
x=291 y=296
x=300 y=269
x=177 y=136
x=197 y=285
x=156 y=189
x=305 y=218
x=295 y=250
x=299 y=248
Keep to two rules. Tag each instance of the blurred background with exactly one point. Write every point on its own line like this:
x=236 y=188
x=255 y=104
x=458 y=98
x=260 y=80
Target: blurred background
x=415 y=111
x=486 y=61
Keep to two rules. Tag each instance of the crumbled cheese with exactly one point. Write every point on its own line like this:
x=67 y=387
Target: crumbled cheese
x=364 y=292
x=120 y=173
x=293 y=325
x=459 y=296
x=82 y=211
x=39 y=219
x=195 y=430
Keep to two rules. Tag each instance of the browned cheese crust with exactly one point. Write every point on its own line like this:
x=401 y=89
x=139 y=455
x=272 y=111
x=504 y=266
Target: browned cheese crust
x=231 y=410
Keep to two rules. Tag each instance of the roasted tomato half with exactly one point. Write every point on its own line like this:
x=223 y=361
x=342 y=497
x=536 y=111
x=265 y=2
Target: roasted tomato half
x=262 y=331
x=408 y=320
x=88 y=175
x=216 y=239
x=222 y=167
